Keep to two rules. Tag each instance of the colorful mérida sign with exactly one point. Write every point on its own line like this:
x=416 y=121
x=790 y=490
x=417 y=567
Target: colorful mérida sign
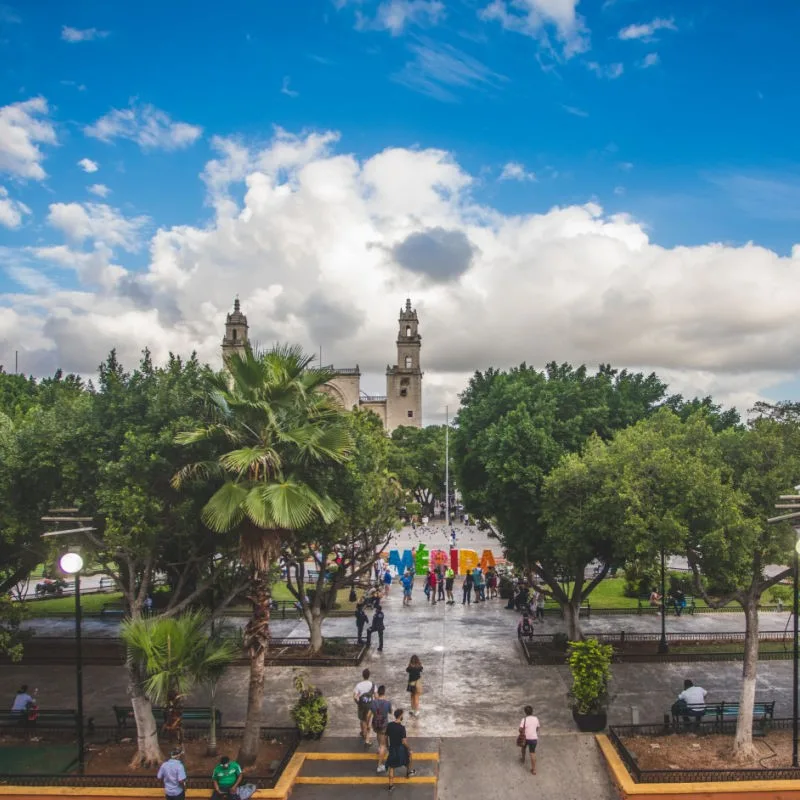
x=460 y=561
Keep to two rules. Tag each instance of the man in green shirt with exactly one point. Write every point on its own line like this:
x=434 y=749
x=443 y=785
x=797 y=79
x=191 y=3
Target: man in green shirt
x=227 y=776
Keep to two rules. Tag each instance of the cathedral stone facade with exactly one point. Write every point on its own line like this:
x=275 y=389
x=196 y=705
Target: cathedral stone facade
x=402 y=403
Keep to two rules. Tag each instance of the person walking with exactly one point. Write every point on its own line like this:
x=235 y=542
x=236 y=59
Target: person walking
x=361 y=620
x=400 y=754
x=414 y=688
x=540 y=600
x=449 y=579
x=427 y=587
x=172 y=775
x=466 y=589
x=440 y=581
x=432 y=582
x=363 y=695
x=408 y=584
x=529 y=728
x=381 y=708
x=377 y=626
x=387 y=582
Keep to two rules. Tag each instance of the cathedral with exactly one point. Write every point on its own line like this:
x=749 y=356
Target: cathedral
x=402 y=403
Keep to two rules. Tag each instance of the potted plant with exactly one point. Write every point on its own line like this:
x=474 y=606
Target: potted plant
x=590 y=665
x=310 y=712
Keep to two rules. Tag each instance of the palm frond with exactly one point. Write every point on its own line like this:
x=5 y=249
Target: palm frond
x=201 y=470
x=223 y=512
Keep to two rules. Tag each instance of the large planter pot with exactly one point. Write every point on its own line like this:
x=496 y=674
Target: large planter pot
x=590 y=723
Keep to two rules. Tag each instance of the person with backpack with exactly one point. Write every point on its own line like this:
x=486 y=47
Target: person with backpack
x=525 y=627
x=400 y=754
x=381 y=708
x=377 y=626
x=363 y=695
x=361 y=620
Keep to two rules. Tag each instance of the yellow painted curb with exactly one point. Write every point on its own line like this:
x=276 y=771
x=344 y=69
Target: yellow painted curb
x=281 y=791
x=362 y=780
x=363 y=756
x=628 y=788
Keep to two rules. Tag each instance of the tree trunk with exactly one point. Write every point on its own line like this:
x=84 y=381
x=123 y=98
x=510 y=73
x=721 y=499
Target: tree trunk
x=571 y=612
x=743 y=748
x=315 y=629
x=256 y=642
x=211 y=749
x=148 y=753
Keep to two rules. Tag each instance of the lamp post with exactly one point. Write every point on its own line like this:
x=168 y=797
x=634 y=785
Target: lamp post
x=663 y=647
x=795 y=660
x=72 y=564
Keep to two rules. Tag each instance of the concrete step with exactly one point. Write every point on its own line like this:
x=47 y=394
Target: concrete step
x=361 y=766
x=403 y=791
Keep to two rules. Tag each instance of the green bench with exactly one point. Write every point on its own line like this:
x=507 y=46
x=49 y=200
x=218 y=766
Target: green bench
x=644 y=605
x=46 y=718
x=114 y=610
x=763 y=713
x=193 y=716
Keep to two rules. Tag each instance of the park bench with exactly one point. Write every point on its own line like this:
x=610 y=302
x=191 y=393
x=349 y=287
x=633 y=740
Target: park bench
x=644 y=605
x=763 y=713
x=112 y=610
x=46 y=718
x=193 y=716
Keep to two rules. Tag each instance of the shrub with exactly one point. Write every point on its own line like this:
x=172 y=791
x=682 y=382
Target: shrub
x=590 y=665
x=780 y=592
x=310 y=712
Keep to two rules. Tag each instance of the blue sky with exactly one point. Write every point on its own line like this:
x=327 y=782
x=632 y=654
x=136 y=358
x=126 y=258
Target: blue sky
x=682 y=116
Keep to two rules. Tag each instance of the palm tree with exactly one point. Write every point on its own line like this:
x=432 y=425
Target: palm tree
x=274 y=423
x=174 y=654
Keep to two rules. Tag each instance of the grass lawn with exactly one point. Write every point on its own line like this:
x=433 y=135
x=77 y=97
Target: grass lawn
x=90 y=604
x=608 y=594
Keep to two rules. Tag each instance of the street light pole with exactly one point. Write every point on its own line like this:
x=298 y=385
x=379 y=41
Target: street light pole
x=795 y=660
x=663 y=647
x=447 y=464
x=72 y=563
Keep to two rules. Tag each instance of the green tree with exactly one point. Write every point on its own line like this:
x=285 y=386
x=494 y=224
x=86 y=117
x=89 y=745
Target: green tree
x=273 y=422
x=173 y=655
x=513 y=429
x=763 y=462
x=417 y=457
x=343 y=552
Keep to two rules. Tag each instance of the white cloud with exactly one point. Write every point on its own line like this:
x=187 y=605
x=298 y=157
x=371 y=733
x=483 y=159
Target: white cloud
x=575 y=111
x=100 y=189
x=610 y=71
x=395 y=15
x=23 y=126
x=74 y=35
x=11 y=211
x=149 y=127
x=650 y=60
x=645 y=31
x=514 y=171
x=81 y=87
x=285 y=89
x=537 y=18
x=320 y=245
x=87 y=165
x=438 y=69
x=98 y=222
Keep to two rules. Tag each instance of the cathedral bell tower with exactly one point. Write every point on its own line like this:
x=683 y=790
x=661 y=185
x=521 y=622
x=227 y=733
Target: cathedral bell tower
x=404 y=379
x=235 y=339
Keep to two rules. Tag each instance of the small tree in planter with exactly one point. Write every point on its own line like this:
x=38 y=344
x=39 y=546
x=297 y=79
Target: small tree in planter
x=590 y=665
x=310 y=712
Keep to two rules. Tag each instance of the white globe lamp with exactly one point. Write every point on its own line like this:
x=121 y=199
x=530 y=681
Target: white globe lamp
x=71 y=563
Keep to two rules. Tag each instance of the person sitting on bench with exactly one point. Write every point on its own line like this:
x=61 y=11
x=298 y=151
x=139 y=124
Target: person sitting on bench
x=690 y=702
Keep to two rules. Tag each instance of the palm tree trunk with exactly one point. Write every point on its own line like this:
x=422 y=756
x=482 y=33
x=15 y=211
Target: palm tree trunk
x=256 y=642
x=211 y=750
x=148 y=753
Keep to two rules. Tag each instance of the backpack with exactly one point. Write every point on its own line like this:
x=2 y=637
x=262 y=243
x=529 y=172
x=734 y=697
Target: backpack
x=380 y=717
x=527 y=628
x=366 y=698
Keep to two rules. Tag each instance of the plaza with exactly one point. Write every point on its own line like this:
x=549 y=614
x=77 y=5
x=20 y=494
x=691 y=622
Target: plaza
x=476 y=682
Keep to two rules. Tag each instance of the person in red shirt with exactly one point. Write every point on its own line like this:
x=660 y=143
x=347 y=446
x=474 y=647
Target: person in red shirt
x=432 y=579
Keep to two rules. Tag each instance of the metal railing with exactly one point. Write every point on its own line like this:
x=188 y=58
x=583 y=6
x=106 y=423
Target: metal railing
x=289 y=736
x=617 y=733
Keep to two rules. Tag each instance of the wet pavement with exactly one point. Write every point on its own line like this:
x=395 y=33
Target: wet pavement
x=475 y=685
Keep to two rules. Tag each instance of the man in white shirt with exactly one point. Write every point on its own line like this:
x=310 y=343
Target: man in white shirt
x=363 y=694
x=21 y=700
x=694 y=697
